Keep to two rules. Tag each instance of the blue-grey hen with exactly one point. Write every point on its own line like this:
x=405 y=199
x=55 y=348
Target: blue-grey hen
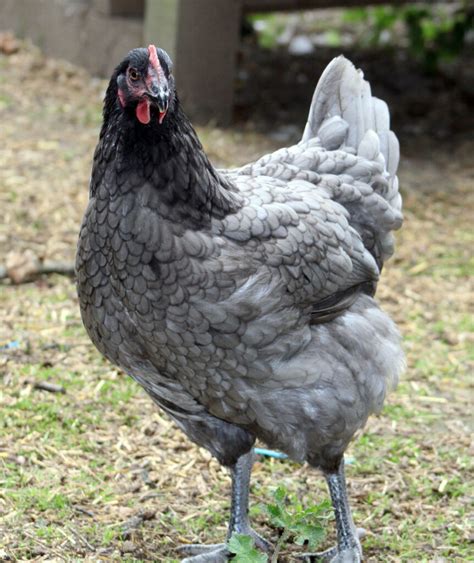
x=242 y=300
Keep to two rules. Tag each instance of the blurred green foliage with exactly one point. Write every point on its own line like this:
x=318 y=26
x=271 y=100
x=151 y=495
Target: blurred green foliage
x=435 y=33
x=432 y=32
x=268 y=28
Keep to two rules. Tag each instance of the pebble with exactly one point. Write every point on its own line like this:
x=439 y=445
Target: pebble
x=128 y=547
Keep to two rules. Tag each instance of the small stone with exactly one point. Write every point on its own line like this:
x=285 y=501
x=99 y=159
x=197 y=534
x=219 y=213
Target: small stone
x=150 y=429
x=128 y=547
x=134 y=488
x=148 y=514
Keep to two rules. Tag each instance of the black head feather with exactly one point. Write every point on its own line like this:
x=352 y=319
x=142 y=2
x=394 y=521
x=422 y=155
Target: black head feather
x=123 y=95
x=166 y=155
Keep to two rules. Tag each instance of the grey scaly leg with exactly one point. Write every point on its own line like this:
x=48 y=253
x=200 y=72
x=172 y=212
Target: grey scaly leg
x=348 y=549
x=348 y=545
x=239 y=521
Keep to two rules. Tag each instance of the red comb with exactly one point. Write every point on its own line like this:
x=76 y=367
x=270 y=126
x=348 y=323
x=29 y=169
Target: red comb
x=153 y=56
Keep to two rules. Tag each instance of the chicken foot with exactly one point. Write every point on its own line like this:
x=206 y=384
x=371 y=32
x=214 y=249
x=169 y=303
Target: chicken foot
x=348 y=549
x=239 y=521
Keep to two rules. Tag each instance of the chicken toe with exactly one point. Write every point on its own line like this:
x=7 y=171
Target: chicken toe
x=239 y=522
x=214 y=553
x=348 y=548
x=333 y=555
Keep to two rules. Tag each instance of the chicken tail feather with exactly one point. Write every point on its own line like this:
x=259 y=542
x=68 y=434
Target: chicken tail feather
x=344 y=114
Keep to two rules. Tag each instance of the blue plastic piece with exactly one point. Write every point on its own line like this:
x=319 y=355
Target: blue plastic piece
x=13 y=345
x=348 y=460
x=270 y=453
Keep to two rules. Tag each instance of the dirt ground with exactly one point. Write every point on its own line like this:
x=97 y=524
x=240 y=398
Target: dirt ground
x=93 y=472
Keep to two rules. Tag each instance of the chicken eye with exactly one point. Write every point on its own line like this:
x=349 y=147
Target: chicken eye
x=134 y=74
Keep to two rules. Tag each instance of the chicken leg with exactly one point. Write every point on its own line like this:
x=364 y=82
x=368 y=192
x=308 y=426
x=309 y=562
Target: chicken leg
x=239 y=521
x=348 y=549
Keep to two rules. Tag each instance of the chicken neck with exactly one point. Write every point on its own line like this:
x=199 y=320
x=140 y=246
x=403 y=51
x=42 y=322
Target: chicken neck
x=170 y=158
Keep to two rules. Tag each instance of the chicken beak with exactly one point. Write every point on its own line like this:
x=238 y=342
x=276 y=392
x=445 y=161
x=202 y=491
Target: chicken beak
x=163 y=100
x=158 y=93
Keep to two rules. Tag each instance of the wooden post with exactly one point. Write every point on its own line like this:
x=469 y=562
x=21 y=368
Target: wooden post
x=202 y=38
x=123 y=8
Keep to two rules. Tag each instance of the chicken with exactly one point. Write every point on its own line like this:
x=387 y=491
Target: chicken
x=242 y=300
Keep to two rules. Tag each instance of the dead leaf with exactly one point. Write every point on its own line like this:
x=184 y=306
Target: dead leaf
x=8 y=43
x=22 y=266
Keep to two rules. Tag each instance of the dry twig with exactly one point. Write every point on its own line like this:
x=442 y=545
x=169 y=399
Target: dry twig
x=50 y=387
x=26 y=267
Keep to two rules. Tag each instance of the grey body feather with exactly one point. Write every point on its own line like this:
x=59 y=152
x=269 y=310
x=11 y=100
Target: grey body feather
x=253 y=316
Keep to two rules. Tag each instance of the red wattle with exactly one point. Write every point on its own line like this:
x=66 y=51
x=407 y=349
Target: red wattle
x=143 y=112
